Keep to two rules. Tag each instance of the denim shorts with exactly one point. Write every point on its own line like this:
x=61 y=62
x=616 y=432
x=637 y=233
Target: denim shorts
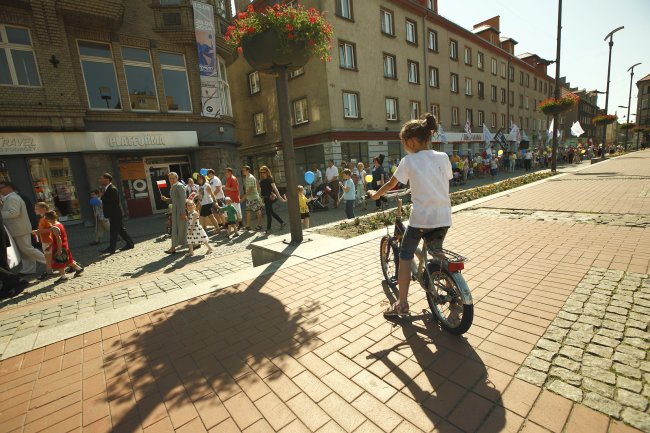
x=413 y=236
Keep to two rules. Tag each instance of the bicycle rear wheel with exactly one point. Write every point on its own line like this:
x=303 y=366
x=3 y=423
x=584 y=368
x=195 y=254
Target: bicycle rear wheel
x=451 y=305
x=389 y=259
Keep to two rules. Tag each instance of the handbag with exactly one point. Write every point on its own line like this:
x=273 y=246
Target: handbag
x=62 y=257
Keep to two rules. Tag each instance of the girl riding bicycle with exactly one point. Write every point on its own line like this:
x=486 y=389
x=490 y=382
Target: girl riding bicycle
x=428 y=173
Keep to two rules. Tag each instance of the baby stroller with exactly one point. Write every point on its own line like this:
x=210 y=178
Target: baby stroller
x=317 y=204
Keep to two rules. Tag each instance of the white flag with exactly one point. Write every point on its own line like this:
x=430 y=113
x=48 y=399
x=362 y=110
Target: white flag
x=576 y=129
x=524 y=137
x=441 y=134
x=549 y=133
x=468 y=127
x=515 y=133
x=487 y=137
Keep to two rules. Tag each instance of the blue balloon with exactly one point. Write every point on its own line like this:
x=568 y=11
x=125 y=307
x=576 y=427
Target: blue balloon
x=95 y=201
x=309 y=177
x=203 y=172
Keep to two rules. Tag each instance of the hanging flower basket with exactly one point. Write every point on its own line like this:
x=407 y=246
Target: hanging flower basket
x=604 y=119
x=625 y=126
x=552 y=106
x=280 y=36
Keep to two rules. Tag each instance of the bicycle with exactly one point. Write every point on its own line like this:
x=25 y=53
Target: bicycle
x=447 y=293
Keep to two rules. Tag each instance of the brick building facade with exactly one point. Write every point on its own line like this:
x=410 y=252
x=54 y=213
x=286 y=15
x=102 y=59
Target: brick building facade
x=106 y=85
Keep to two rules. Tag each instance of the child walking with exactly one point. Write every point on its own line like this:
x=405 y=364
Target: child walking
x=195 y=233
x=231 y=217
x=61 y=256
x=45 y=234
x=102 y=224
x=304 y=208
x=349 y=194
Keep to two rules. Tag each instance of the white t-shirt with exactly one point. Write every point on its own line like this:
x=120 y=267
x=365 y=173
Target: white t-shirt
x=331 y=173
x=214 y=183
x=429 y=173
x=207 y=198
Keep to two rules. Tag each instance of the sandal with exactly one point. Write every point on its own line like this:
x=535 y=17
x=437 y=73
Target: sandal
x=397 y=309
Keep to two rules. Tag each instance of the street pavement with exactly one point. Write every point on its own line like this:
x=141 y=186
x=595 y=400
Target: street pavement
x=559 y=275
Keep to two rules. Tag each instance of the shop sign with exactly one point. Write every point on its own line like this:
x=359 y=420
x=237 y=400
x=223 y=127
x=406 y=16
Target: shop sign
x=144 y=140
x=17 y=144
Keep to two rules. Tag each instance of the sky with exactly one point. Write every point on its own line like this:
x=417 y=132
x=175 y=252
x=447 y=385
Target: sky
x=585 y=23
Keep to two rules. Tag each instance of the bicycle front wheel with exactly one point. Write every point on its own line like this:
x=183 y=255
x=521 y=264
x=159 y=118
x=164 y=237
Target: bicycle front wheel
x=389 y=259
x=449 y=299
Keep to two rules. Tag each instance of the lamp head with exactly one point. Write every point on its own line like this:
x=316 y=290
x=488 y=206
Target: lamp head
x=631 y=68
x=611 y=34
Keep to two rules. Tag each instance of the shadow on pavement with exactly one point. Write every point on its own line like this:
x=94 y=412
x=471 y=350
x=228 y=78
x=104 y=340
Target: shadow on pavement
x=456 y=381
x=201 y=351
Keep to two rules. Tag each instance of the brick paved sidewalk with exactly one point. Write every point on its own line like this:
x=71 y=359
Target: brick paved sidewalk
x=306 y=349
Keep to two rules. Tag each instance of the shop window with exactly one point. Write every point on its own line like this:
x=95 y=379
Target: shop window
x=17 y=60
x=355 y=152
x=99 y=76
x=139 y=79
x=394 y=151
x=174 y=73
x=307 y=157
x=54 y=185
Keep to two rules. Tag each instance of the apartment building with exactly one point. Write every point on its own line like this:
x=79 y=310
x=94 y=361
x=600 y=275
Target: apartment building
x=583 y=112
x=393 y=60
x=643 y=107
x=108 y=85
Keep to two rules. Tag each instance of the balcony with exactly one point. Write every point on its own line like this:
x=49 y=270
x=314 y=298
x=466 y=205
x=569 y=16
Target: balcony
x=96 y=14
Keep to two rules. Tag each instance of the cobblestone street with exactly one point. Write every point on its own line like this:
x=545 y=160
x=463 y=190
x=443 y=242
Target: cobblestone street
x=559 y=343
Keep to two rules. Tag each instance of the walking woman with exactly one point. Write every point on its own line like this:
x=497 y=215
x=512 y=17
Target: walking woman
x=207 y=200
x=61 y=255
x=378 y=178
x=270 y=194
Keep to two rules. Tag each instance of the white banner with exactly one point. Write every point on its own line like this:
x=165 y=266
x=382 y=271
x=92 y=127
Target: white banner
x=212 y=104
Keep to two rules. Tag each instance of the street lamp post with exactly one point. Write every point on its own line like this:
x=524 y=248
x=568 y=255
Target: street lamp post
x=629 y=100
x=610 y=35
x=557 y=86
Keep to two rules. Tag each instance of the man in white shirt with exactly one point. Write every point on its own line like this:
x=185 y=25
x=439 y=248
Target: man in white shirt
x=16 y=219
x=332 y=177
x=217 y=189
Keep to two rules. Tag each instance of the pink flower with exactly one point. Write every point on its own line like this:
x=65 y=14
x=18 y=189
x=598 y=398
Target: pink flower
x=289 y=27
x=251 y=30
x=240 y=50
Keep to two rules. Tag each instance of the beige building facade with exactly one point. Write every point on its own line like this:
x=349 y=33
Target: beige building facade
x=392 y=60
x=643 y=109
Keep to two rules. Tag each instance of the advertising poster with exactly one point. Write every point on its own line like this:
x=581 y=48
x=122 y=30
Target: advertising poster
x=208 y=66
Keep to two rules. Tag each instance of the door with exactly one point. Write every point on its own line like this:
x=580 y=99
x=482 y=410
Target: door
x=155 y=173
x=182 y=169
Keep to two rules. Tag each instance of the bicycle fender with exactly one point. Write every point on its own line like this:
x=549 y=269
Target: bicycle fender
x=463 y=287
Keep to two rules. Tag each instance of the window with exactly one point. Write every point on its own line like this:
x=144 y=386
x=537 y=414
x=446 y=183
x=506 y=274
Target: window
x=17 y=61
x=389 y=66
x=521 y=77
x=526 y=119
x=298 y=72
x=468 y=86
x=435 y=110
x=503 y=95
x=387 y=22
x=493 y=93
x=414 y=72
x=521 y=101
x=139 y=79
x=99 y=75
x=454 y=115
x=534 y=83
x=177 y=94
x=469 y=116
x=53 y=183
x=430 y=5
x=254 y=83
x=511 y=98
x=454 y=83
x=350 y=105
x=521 y=122
x=347 y=55
x=411 y=32
x=432 y=40
x=414 y=109
x=344 y=9
x=527 y=80
x=503 y=120
x=453 y=49
x=468 y=56
x=300 y=113
x=511 y=73
x=391 y=109
x=480 y=61
x=526 y=105
x=354 y=151
x=494 y=66
x=503 y=70
x=433 y=77
x=481 y=90
x=259 y=123
x=545 y=87
x=493 y=120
